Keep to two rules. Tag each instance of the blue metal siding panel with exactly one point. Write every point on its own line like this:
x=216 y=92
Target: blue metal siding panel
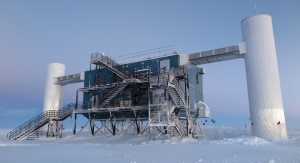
x=153 y=63
x=105 y=73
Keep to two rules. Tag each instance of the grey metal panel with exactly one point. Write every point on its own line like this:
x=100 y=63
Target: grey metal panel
x=194 y=55
x=68 y=79
x=232 y=48
x=220 y=51
x=77 y=75
x=215 y=55
x=206 y=53
x=216 y=58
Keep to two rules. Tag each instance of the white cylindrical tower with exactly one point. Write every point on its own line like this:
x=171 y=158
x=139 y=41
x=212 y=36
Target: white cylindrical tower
x=264 y=93
x=53 y=92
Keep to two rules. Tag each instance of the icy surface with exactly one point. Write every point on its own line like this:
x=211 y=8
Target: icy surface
x=222 y=144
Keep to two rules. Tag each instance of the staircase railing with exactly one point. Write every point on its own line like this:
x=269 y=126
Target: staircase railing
x=174 y=96
x=156 y=116
x=160 y=114
x=112 y=94
x=158 y=80
x=180 y=127
x=36 y=134
x=172 y=106
x=40 y=120
x=67 y=110
x=107 y=62
x=171 y=75
x=108 y=92
x=179 y=91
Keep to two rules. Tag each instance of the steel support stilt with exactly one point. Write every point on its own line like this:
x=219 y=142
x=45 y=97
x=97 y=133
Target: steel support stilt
x=74 y=124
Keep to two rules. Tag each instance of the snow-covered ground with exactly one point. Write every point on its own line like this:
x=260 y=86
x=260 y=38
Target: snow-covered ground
x=222 y=144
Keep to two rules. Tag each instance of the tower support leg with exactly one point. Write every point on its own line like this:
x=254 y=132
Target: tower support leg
x=74 y=124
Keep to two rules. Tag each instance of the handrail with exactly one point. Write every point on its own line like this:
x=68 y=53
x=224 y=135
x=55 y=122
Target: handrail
x=40 y=119
x=114 y=90
x=179 y=91
x=107 y=62
x=172 y=106
x=172 y=80
x=156 y=114
x=27 y=125
x=111 y=90
x=173 y=96
x=180 y=126
x=146 y=54
x=160 y=79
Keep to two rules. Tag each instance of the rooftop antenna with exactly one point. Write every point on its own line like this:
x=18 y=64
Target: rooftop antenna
x=255 y=9
x=57 y=58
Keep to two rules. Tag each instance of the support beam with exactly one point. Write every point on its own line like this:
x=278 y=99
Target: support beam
x=216 y=55
x=74 y=124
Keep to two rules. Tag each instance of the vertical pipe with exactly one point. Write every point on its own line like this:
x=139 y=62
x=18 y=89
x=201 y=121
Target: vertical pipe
x=74 y=125
x=149 y=112
x=114 y=126
x=264 y=92
x=139 y=122
x=91 y=124
x=76 y=105
x=90 y=76
x=186 y=106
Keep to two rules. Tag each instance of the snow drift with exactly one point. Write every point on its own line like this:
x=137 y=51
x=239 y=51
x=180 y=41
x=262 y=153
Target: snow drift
x=222 y=144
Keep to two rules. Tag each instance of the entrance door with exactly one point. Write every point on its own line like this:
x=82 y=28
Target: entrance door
x=164 y=65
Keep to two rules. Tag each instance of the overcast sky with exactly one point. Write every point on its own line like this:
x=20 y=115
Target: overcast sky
x=34 y=33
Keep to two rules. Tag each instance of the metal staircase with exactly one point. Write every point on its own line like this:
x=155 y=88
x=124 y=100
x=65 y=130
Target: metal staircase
x=175 y=90
x=179 y=91
x=174 y=96
x=158 y=117
x=178 y=129
x=39 y=121
x=100 y=58
x=108 y=63
x=36 y=134
x=174 y=132
x=109 y=96
x=164 y=116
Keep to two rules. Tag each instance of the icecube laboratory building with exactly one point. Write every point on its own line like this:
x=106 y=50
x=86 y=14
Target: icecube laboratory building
x=161 y=94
